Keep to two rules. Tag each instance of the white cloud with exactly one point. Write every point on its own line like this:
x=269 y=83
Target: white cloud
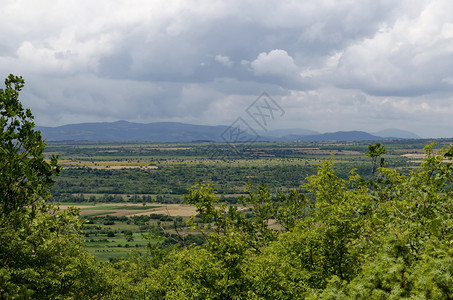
x=277 y=62
x=224 y=60
x=330 y=64
x=410 y=57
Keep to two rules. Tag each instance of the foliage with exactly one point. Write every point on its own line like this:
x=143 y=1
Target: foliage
x=41 y=254
x=375 y=151
x=26 y=178
x=412 y=233
x=346 y=239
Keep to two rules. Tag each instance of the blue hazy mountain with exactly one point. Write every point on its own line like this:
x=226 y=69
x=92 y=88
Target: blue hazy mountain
x=278 y=133
x=123 y=131
x=339 y=136
x=397 y=133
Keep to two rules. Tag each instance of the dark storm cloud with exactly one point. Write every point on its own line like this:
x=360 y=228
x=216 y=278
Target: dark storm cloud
x=205 y=61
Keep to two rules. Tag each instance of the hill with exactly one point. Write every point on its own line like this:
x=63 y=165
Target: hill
x=166 y=132
x=339 y=136
x=397 y=133
x=123 y=131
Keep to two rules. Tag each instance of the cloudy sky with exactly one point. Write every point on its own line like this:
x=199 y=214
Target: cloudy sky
x=330 y=64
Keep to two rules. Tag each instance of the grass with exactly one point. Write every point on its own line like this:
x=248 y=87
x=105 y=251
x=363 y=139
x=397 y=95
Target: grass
x=105 y=247
x=101 y=213
x=124 y=207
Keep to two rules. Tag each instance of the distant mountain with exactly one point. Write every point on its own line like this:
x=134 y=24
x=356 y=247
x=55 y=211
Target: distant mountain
x=397 y=133
x=278 y=133
x=166 y=132
x=123 y=131
x=339 y=136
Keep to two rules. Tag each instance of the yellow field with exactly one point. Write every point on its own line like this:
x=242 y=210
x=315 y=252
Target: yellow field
x=127 y=209
x=114 y=165
x=134 y=209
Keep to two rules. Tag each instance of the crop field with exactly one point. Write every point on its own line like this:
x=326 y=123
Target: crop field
x=115 y=229
x=105 y=247
x=130 y=209
x=114 y=165
x=128 y=191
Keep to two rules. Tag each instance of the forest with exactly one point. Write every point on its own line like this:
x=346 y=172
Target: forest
x=335 y=228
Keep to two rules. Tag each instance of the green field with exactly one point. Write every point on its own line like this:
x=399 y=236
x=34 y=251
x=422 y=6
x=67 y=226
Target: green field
x=115 y=229
x=112 y=180
x=113 y=172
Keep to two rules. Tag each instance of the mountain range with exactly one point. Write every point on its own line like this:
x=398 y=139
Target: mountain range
x=166 y=132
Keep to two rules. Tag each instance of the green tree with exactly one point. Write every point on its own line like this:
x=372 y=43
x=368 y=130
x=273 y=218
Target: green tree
x=374 y=152
x=321 y=246
x=413 y=232
x=41 y=250
x=25 y=176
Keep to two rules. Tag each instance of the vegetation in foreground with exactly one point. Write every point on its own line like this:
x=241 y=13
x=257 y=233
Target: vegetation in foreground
x=389 y=237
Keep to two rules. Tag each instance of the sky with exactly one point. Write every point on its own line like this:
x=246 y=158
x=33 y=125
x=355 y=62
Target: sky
x=330 y=65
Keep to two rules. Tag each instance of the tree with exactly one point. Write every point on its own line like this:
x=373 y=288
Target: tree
x=412 y=234
x=375 y=151
x=25 y=176
x=41 y=250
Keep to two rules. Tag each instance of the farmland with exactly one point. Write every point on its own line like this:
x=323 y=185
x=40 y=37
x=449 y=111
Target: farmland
x=128 y=193
x=114 y=229
x=163 y=172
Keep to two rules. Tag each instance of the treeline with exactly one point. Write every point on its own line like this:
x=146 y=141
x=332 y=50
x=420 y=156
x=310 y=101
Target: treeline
x=164 y=199
x=177 y=179
x=80 y=198
x=173 y=182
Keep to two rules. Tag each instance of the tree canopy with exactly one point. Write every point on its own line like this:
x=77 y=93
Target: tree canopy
x=41 y=250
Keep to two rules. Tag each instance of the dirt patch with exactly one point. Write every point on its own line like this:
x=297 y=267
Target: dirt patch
x=98 y=213
x=127 y=213
x=414 y=155
x=108 y=167
x=173 y=210
x=120 y=167
x=63 y=207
